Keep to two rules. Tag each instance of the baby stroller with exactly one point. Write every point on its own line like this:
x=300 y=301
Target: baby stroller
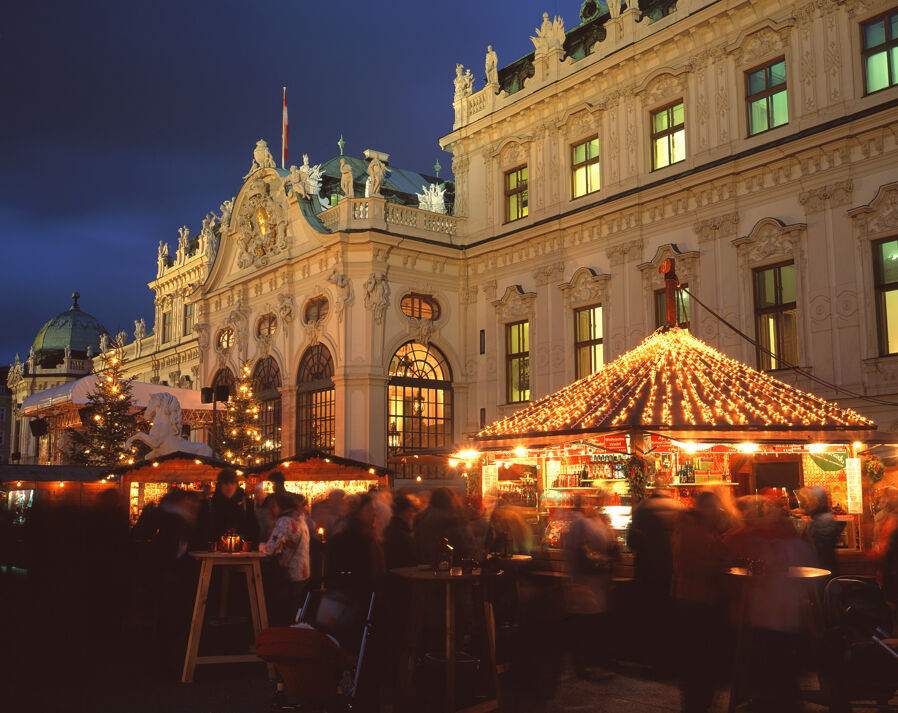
x=860 y=657
x=320 y=657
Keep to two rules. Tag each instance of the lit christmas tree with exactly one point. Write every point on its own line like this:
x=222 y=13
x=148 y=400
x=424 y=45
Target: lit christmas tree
x=110 y=422
x=238 y=435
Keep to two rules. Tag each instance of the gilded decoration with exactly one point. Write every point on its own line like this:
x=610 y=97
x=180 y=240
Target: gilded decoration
x=261 y=225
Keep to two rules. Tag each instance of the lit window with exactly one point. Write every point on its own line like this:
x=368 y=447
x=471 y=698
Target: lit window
x=668 y=135
x=588 y=347
x=776 y=316
x=266 y=388
x=682 y=308
x=188 y=320
x=585 y=167
x=226 y=338
x=885 y=266
x=315 y=396
x=517 y=362
x=516 y=194
x=420 y=306
x=166 y=327
x=316 y=309
x=767 y=97
x=268 y=325
x=880 y=53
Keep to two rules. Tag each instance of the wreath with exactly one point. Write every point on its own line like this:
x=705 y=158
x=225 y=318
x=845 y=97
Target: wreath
x=874 y=469
x=637 y=479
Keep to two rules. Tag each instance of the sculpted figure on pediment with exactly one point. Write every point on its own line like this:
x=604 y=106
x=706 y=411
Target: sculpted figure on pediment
x=377 y=295
x=770 y=239
x=261 y=158
x=262 y=224
x=344 y=291
x=550 y=35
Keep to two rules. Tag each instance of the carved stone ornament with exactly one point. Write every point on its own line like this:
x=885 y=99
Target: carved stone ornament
x=770 y=240
x=202 y=336
x=685 y=265
x=344 y=292
x=377 y=296
x=262 y=226
x=666 y=86
x=722 y=226
x=513 y=153
x=834 y=195
x=585 y=288
x=421 y=330
x=515 y=304
x=625 y=252
x=489 y=290
x=762 y=44
x=880 y=215
x=286 y=308
x=550 y=35
x=262 y=158
x=549 y=274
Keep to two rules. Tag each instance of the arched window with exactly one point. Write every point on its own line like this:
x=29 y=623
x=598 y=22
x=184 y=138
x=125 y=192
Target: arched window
x=266 y=388
x=224 y=377
x=315 y=401
x=419 y=396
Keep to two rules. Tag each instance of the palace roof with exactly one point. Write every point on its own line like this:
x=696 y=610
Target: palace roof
x=401 y=185
x=73 y=328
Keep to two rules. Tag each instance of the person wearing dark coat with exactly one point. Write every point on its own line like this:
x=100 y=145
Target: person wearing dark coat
x=442 y=519
x=230 y=509
x=823 y=530
x=399 y=537
x=355 y=554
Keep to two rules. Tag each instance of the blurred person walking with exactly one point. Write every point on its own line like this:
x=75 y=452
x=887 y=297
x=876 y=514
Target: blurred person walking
x=399 y=535
x=289 y=541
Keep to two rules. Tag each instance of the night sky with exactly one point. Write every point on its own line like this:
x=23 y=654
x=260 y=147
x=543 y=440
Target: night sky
x=123 y=121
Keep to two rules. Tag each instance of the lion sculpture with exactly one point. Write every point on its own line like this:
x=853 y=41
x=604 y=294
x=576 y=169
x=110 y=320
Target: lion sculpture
x=164 y=411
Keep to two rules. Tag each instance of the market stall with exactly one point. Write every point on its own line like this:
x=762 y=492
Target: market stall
x=314 y=474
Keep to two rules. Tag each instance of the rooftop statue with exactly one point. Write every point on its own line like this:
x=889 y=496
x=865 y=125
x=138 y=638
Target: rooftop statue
x=346 y=182
x=183 y=238
x=492 y=66
x=261 y=158
x=225 y=218
x=299 y=179
x=121 y=338
x=463 y=86
x=313 y=179
x=164 y=411
x=614 y=7
x=140 y=329
x=375 y=176
x=433 y=198
x=550 y=35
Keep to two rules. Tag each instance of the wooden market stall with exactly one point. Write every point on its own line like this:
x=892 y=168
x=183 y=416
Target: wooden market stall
x=315 y=474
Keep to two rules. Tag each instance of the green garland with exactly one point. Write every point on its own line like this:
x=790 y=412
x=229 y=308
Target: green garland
x=874 y=469
x=637 y=479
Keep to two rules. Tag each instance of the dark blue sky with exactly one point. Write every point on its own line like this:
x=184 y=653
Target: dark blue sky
x=121 y=121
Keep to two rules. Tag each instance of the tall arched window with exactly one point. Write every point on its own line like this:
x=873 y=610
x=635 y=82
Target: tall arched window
x=419 y=396
x=315 y=401
x=224 y=377
x=266 y=388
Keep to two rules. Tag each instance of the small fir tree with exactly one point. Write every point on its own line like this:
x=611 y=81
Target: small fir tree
x=238 y=435
x=111 y=419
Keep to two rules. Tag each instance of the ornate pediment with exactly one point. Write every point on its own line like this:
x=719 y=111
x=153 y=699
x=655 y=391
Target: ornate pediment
x=666 y=85
x=513 y=151
x=880 y=216
x=515 y=304
x=585 y=288
x=685 y=265
x=261 y=225
x=770 y=240
x=582 y=120
x=761 y=44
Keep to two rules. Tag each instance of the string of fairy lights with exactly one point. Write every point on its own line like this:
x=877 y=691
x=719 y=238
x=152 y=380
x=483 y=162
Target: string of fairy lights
x=240 y=436
x=673 y=379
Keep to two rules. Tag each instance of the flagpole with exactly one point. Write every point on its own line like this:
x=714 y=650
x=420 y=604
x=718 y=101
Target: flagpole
x=284 y=129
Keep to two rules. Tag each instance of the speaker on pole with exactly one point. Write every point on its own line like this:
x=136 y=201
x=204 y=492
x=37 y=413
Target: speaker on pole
x=222 y=392
x=206 y=395
x=38 y=427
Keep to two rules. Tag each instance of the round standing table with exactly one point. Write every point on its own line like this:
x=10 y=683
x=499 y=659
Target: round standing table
x=449 y=583
x=249 y=564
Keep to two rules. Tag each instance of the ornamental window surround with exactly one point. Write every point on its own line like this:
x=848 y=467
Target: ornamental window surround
x=316 y=309
x=776 y=316
x=585 y=173
x=420 y=306
x=516 y=194
x=225 y=338
x=879 y=43
x=517 y=362
x=188 y=320
x=885 y=273
x=267 y=325
x=766 y=97
x=589 y=347
x=668 y=135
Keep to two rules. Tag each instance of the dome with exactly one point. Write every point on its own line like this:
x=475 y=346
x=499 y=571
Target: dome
x=73 y=328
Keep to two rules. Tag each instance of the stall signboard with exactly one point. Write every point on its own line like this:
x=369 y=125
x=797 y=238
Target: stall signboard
x=489 y=480
x=853 y=475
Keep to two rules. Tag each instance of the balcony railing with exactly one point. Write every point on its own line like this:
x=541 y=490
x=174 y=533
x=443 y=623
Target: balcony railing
x=360 y=213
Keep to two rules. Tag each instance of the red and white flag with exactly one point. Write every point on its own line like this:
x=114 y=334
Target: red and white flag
x=285 y=134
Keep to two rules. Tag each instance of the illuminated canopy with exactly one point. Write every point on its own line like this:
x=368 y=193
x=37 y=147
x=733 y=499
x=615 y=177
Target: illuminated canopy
x=676 y=384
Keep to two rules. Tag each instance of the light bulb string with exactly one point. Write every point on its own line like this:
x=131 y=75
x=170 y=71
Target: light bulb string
x=796 y=369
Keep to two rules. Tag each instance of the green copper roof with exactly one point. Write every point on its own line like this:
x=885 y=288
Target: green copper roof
x=73 y=328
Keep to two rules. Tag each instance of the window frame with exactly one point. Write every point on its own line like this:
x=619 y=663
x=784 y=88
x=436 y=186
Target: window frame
x=767 y=93
x=516 y=361
x=884 y=47
x=521 y=188
x=414 y=302
x=167 y=324
x=778 y=309
x=588 y=343
x=188 y=320
x=661 y=307
x=267 y=325
x=668 y=132
x=585 y=164
x=316 y=400
x=323 y=305
x=267 y=382
x=229 y=331
x=880 y=288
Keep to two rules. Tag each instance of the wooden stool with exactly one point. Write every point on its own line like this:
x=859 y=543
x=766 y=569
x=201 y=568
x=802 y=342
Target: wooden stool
x=249 y=564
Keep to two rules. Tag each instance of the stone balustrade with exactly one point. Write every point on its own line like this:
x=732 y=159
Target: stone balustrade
x=361 y=213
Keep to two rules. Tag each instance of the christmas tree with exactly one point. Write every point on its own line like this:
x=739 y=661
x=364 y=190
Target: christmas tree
x=238 y=437
x=110 y=420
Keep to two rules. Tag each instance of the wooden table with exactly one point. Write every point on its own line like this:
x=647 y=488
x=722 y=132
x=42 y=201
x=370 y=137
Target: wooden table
x=249 y=564
x=449 y=583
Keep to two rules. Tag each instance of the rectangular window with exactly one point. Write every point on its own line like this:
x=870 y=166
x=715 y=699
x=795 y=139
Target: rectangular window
x=483 y=418
x=188 y=320
x=2 y=413
x=766 y=97
x=166 y=327
x=682 y=308
x=885 y=268
x=776 y=316
x=516 y=194
x=483 y=341
x=517 y=362
x=585 y=167
x=588 y=348
x=668 y=135
x=879 y=38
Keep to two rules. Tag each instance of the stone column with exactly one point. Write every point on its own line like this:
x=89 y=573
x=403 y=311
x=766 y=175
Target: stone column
x=288 y=421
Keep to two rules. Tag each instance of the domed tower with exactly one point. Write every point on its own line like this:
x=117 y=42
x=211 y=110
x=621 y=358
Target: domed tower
x=74 y=330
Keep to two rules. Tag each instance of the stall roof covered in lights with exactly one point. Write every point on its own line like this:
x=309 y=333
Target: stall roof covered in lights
x=315 y=465
x=675 y=385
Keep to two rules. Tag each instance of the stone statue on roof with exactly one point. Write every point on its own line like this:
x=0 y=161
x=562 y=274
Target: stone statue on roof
x=492 y=66
x=462 y=86
x=121 y=338
x=261 y=158
x=183 y=238
x=140 y=329
x=225 y=218
x=550 y=35
x=104 y=343
x=67 y=352
x=375 y=176
x=299 y=179
x=614 y=7
x=433 y=198
x=346 y=181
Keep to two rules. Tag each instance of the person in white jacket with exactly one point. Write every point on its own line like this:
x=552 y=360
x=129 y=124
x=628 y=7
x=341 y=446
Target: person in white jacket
x=289 y=542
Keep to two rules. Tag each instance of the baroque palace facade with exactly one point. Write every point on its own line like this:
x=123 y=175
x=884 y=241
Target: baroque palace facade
x=753 y=141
